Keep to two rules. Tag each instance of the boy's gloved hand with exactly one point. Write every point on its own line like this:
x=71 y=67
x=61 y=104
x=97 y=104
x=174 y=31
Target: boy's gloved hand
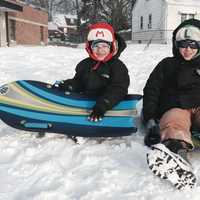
x=97 y=114
x=99 y=110
x=152 y=133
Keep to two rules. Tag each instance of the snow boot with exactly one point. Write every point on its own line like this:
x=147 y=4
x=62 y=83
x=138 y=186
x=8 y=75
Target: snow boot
x=171 y=166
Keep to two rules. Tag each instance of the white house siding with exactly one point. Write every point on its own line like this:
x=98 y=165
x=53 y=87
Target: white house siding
x=166 y=16
x=144 y=8
x=174 y=15
x=3 y=41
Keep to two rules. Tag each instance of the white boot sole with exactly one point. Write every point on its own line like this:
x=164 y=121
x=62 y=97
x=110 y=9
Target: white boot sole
x=168 y=165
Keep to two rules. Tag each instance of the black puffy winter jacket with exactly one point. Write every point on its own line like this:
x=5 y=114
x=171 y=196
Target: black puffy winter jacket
x=174 y=83
x=109 y=82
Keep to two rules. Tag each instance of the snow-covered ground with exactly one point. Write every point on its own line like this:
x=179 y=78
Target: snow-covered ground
x=52 y=168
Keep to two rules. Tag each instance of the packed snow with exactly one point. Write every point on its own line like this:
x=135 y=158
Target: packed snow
x=53 y=167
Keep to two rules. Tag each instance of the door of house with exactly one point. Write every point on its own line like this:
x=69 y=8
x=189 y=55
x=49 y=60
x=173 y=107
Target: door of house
x=41 y=33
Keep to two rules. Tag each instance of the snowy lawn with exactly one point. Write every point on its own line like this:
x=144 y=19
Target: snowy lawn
x=53 y=167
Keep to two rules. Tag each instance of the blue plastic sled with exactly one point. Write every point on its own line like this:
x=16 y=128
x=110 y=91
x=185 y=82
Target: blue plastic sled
x=36 y=106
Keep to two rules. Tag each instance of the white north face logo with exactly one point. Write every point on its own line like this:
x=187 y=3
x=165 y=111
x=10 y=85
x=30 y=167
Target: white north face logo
x=105 y=75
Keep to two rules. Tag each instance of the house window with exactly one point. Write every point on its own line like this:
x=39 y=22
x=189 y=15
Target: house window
x=191 y=16
x=150 y=21
x=72 y=21
x=141 y=22
x=65 y=30
x=185 y=16
x=12 y=30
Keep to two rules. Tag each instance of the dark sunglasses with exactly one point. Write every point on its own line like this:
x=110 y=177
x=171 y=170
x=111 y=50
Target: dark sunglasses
x=188 y=43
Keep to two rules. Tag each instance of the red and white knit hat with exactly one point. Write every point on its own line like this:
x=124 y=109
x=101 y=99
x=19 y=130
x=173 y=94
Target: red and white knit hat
x=101 y=32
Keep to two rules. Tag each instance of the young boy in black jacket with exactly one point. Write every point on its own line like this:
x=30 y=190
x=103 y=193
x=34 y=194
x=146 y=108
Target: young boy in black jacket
x=171 y=105
x=102 y=74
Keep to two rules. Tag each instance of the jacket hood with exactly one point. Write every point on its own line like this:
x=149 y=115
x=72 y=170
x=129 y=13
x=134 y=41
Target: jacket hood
x=121 y=45
x=192 y=22
x=105 y=32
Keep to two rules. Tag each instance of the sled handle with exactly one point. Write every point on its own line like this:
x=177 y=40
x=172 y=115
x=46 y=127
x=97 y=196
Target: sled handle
x=36 y=125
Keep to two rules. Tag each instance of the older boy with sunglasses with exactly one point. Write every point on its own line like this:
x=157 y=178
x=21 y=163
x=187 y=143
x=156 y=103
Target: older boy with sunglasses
x=171 y=106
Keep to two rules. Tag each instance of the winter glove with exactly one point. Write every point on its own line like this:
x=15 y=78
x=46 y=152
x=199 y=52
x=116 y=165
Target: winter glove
x=63 y=85
x=98 y=111
x=96 y=115
x=152 y=133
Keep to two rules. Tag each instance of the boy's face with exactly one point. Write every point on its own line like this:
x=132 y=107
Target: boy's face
x=101 y=50
x=188 y=48
x=188 y=53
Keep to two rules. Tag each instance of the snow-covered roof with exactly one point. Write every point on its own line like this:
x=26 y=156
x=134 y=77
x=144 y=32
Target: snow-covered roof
x=70 y=16
x=59 y=19
x=52 y=26
x=185 y=2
